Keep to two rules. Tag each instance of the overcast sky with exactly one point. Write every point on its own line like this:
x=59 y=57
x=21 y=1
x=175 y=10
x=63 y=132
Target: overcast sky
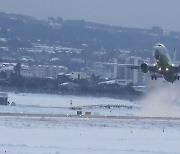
x=129 y=13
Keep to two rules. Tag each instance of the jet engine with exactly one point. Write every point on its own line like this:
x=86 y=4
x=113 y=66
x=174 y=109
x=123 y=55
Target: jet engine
x=144 y=68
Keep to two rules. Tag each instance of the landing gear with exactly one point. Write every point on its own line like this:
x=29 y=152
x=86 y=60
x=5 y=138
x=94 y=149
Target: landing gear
x=153 y=77
x=177 y=77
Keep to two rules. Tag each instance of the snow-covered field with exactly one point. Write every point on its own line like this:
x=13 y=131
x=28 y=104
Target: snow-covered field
x=57 y=104
x=60 y=100
x=39 y=135
x=87 y=136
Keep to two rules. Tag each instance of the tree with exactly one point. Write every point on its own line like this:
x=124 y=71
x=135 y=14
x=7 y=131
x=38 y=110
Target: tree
x=95 y=79
x=52 y=19
x=3 y=75
x=157 y=30
x=17 y=69
x=59 y=20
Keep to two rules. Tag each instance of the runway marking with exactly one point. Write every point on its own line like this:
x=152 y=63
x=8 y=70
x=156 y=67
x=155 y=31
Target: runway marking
x=84 y=116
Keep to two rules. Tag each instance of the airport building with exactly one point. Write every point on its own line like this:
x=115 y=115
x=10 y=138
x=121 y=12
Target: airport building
x=120 y=72
x=78 y=75
x=43 y=71
x=4 y=99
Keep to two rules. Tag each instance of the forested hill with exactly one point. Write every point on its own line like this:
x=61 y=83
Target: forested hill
x=77 y=32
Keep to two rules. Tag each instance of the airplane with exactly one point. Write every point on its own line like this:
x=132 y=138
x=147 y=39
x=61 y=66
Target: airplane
x=163 y=66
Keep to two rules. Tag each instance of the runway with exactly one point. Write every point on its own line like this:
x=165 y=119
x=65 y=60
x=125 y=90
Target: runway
x=87 y=116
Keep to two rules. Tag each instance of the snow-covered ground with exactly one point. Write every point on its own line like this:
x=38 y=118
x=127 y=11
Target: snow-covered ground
x=40 y=135
x=87 y=136
x=57 y=104
x=60 y=100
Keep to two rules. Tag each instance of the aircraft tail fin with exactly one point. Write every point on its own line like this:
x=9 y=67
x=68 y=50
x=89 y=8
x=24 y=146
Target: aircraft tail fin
x=174 y=56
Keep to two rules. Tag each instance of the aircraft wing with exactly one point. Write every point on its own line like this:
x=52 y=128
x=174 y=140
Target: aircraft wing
x=151 y=68
x=131 y=66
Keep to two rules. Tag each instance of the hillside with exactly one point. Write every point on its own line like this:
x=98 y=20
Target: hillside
x=22 y=31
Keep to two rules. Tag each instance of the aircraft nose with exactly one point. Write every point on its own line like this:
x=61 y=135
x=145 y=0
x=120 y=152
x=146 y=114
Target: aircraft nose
x=156 y=51
x=156 y=54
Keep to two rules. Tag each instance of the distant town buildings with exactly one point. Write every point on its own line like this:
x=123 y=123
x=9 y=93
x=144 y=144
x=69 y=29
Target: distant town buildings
x=124 y=73
x=43 y=71
x=113 y=73
x=104 y=71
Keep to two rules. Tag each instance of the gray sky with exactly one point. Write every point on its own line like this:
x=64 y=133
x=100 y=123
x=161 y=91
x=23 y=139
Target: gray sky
x=129 y=13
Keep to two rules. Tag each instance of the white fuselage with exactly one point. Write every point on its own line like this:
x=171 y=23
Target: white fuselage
x=164 y=63
x=161 y=51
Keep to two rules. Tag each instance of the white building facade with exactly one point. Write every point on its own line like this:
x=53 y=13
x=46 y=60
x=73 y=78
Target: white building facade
x=43 y=71
x=78 y=75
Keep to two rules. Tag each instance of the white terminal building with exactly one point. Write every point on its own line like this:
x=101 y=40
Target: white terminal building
x=43 y=71
x=78 y=75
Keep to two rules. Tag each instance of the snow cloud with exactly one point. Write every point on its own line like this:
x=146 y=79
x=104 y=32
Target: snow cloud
x=162 y=99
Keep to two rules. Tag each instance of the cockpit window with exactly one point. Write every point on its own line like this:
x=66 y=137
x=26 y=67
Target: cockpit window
x=159 y=45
